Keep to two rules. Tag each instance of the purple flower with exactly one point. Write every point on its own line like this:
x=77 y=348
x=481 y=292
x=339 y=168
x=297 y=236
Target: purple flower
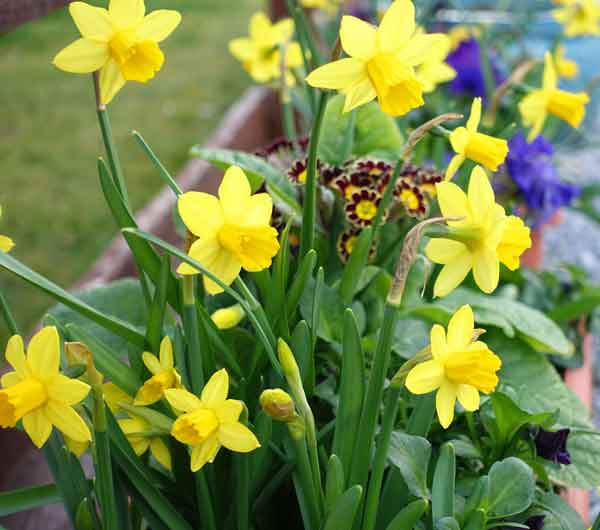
x=536 y=522
x=466 y=60
x=530 y=166
x=553 y=445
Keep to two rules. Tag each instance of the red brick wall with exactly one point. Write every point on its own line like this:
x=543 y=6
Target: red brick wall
x=13 y=13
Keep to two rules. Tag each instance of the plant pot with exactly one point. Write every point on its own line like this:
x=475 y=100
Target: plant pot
x=534 y=256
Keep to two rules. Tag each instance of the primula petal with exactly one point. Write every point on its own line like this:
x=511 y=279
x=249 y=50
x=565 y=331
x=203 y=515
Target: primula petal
x=182 y=400
x=161 y=452
x=234 y=194
x=452 y=275
x=201 y=213
x=468 y=397
x=422 y=48
x=425 y=377
x=460 y=328
x=358 y=38
x=66 y=390
x=43 y=352
x=454 y=166
x=481 y=195
x=439 y=346
x=82 y=56
x=440 y=250
x=237 y=437
x=229 y=410
x=452 y=200
x=475 y=116
x=444 y=403
x=15 y=355
x=205 y=452
x=127 y=13
x=37 y=427
x=10 y=379
x=166 y=353
x=341 y=74
x=397 y=26
x=215 y=391
x=158 y=25
x=151 y=362
x=67 y=421
x=111 y=81
x=486 y=270
x=92 y=22
x=359 y=94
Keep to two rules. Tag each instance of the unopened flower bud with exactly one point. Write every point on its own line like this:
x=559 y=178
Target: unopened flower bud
x=228 y=317
x=288 y=363
x=278 y=404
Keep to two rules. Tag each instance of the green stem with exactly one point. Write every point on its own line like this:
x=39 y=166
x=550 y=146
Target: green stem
x=309 y=214
x=305 y=477
x=203 y=498
x=8 y=316
x=381 y=455
x=192 y=335
x=309 y=48
x=287 y=117
x=242 y=500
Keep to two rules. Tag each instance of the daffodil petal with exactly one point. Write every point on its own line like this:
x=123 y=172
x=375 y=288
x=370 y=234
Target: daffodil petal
x=201 y=213
x=10 y=379
x=205 y=452
x=234 y=193
x=226 y=267
x=486 y=270
x=111 y=81
x=92 y=22
x=151 y=362
x=216 y=389
x=481 y=195
x=444 y=403
x=158 y=25
x=460 y=328
x=452 y=274
x=359 y=94
x=452 y=200
x=82 y=56
x=438 y=341
x=228 y=410
x=43 y=352
x=37 y=427
x=160 y=452
x=475 y=117
x=127 y=13
x=15 y=355
x=420 y=48
x=284 y=29
x=243 y=49
x=468 y=397
x=66 y=390
x=6 y=244
x=182 y=400
x=454 y=165
x=550 y=79
x=338 y=75
x=166 y=353
x=441 y=250
x=237 y=437
x=358 y=37
x=397 y=26
x=260 y=209
x=67 y=421
x=425 y=377
x=260 y=27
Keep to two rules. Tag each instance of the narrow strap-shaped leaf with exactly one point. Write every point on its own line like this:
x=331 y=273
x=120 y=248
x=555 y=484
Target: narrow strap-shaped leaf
x=164 y=173
x=408 y=516
x=344 y=511
x=335 y=482
x=352 y=389
x=305 y=270
x=27 y=498
x=442 y=489
x=355 y=265
x=113 y=324
x=154 y=330
x=301 y=346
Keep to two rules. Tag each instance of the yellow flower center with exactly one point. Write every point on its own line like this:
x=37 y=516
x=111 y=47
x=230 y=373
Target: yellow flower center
x=254 y=246
x=21 y=399
x=138 y=61
x=302 y=177
x=349 y=245
x=476 y=368
x=409 y=199
x=486 y=150
x=366 y=210
x=195 y=427
x=350 y=189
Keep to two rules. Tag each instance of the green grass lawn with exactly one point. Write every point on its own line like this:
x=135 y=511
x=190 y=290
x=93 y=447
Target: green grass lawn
x=49 y=138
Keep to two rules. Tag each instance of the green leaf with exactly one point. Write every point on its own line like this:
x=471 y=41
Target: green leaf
x=258 y=171
x=301 y=278
x=356 y=265
x=447 y=523
x=442 y=487
x=411 y=454
x=409 y=516
x=27 y=498
x=344 y=511
x=330 y=315
x=301 y=346
x=511 y=487
x=559 y=515
x=335 y=482
x=582 y=305
x=154 y=330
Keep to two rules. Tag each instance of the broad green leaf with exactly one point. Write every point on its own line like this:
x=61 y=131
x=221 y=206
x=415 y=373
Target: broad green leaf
x=511 y=487
x=447 y=523
x=559 y=515
x=443 y=486
x=409 y=516
x=343 y=513
x=410 y=454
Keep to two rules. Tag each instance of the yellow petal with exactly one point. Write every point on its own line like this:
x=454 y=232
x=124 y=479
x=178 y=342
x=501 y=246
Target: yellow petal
x=15 y=355
x=234 y=194
x=359 y=94
x=127 y=13
x=397 y=26
x=228 y=317
x=439 y=347
x=113 y=396
x=92 y=22
x=111 y=81
x=468 y=397
x=454 y=165
x=550 y=79
x=243 y=49
x=166 y=353
x=226 y=267
x=421 y=48
x=43 y=352
x=158 y=25
x=293 y=55
x=161 y=453
x=182 y=400
x=440 y=250
x=259 y=210
x=228 y=410
x=358 y=38
x=204 y=251
x=452 y=200
x=460 y=328
x=237 y=437
x=481 y=195
x=486 y=270
x=338 y=75
x=67 y=421
x=475 y=116
x=201 y=213
x=205 y=452
x=215 y=391
x=37 y=427
x=261 y=28
x=82 y=56
x=6 y=244
x=10 y=379
x=444 y=403
x=452 y=275
x=425 y=377
x=516 y=238
x=459 y=139
x=284 y=30
x=151 y=362
x=66 y=390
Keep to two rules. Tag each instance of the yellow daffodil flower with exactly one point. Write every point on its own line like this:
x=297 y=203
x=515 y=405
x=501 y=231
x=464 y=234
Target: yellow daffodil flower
x=480 y=241
x=434 y=71
x=139 y=434
x=210 y=421
x=77 y=448
x=114 y=396
x=228 y=317
x=331 y=7
x=6 y=243
x=486 y=150
x=566 y=68
x=549 y=99
x=381 y=61
x=233 y=229
x=38 y=394
x=164 y=375
x=579 y=17
x=460 y=368
x=121 y=41
x=260 y=53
